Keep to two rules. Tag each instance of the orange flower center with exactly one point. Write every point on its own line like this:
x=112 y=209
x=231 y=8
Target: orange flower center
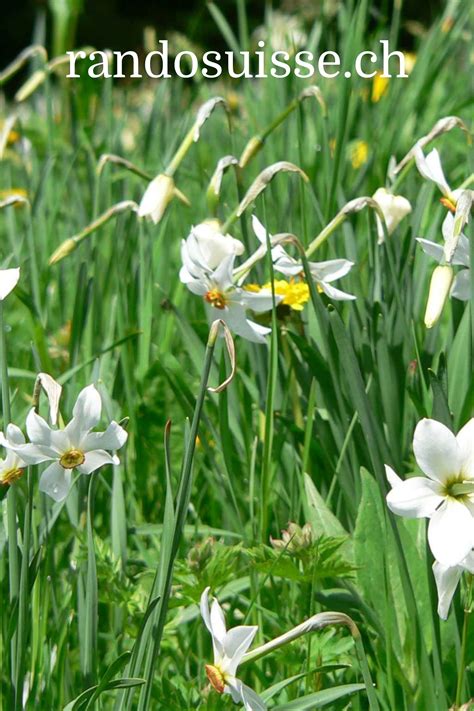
x=215 y=298
x=449 y=204
x=216 y=678
x=11 y=475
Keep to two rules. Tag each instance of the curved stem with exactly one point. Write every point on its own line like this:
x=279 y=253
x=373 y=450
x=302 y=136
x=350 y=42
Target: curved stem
x=315 y=623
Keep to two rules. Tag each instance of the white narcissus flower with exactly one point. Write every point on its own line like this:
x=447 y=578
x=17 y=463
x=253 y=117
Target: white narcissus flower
x=8 y=280
x=461 y=288
x=447 y=579
x=157 y=197
x=223 y=299
x=207 y=246
x=11 y=468
x=229 y=647
x=74 y=447
x=431 y=169
x=446 y=494
x=394 y=208
x=323 y=273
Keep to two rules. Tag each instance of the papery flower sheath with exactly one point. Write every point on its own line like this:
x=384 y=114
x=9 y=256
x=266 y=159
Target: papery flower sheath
x=229 y=647
x=74 y=447
x=446 y=494
x=323 y=273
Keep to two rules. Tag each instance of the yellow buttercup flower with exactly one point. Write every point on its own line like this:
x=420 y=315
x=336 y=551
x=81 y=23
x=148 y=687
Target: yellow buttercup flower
x=358 y=153
x=379 y=87
x=295 y=293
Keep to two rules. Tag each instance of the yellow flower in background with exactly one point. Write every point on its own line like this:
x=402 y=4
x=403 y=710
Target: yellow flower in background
x=380 y=83
x=13 y=137
x=294 y=293
x=379 y=87
x=233 y=100
x=410 y=60
x=359 y=152
x=13 y=192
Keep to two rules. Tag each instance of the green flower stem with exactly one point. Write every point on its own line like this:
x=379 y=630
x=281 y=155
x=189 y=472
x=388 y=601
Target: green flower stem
x=69 y=245
x=230 y=220
x=255 y=144
x=401 y=176
x=162 y=584
x=462 y=659
x=178 y=157
x=13 y=565
x=243 y=269
x=325 y=233
x=279 y=119
x=23 y=599
x=314 y=624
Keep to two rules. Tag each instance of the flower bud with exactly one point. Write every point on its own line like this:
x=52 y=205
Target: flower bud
x=157 y=197
x=200 y=554
x=394 y=208
x=251 y=149
x=440 y=285
x=213 y=245
x=62 y=251
x=295 y=538
x=30 y=86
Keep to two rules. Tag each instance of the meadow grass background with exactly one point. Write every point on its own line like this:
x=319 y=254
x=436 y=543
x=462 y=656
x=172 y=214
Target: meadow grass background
x=302 y=432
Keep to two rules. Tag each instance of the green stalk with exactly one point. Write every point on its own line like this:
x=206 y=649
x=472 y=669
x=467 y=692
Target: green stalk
x=23 y=602
x=314 y=624
x=91 y=592
x=324 y=234
x=265 y=485
x=462 y=660
x=13 y=565
x=178 y=157
x=162 y=588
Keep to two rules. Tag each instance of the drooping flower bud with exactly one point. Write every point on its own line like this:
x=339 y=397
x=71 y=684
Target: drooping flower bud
x=157 y=197
x=394 y=208
x=440 y=285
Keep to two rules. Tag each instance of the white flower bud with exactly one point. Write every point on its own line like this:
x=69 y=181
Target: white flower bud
x=157 y=197
x=213 y=245
x=441 y=282
x=394 y=208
